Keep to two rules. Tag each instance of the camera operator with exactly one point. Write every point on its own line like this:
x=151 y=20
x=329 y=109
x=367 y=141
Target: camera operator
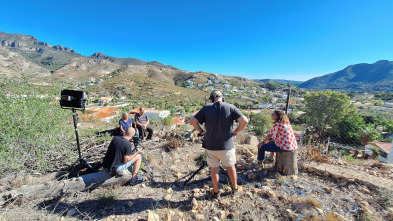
x=118 y=158
x=218 y=118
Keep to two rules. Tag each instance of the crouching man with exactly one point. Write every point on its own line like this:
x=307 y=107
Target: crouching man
x=118 y=158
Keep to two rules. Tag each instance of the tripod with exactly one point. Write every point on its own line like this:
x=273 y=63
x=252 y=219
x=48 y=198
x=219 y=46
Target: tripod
x=201 y=168
x=82 y=162
x=137 y=145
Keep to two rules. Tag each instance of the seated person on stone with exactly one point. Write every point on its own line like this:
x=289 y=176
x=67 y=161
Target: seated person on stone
x=119 y=159
x=142 y=123
x=124 y=123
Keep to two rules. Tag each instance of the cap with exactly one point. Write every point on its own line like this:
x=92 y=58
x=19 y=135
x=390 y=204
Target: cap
x=216 y=93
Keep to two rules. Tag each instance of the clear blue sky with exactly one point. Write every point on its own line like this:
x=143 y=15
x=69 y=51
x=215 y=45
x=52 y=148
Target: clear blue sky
x=291 y=39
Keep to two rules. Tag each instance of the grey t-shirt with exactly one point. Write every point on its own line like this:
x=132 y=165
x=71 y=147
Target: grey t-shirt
x=218 y=118
x=141 y=118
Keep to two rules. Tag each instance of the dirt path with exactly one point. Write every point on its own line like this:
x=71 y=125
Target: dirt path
x=367 y=175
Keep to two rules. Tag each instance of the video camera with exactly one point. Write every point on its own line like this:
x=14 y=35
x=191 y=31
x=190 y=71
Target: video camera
x=137 y=141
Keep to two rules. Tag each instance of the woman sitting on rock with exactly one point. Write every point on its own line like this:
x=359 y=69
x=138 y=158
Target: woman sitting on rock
x=282 y=134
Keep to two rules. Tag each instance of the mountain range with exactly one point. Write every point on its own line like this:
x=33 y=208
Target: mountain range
x=359 y=77
x=25 y=55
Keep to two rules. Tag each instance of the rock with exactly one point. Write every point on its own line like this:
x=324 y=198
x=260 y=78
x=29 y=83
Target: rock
x=249 y=153
x=143 y=185
x=248 y=194
x=71 y=212
x=265 y=188
x=194 y=203
x=242 y=161
x=130 y=203
x=270 y=193
x=251 y=140
x=199 y=217
x=168 y=196
x=251 y=176
x=196 y=195
x=290 y=213
x=151 y=216
x=170 y=190
x=221 y=214
x=178 y=175
x=196 y=190
x=169 y=215
x=365 y=190
x=216 y=218
x=351 y=180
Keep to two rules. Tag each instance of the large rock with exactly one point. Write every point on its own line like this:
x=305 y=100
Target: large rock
x=251 y=140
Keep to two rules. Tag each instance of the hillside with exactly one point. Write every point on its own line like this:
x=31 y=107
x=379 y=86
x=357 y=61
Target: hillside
x=45 y=64
x=369 y=77
x=281 y=81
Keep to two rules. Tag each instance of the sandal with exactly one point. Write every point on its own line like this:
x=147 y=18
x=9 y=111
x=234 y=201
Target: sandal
x=214 y=195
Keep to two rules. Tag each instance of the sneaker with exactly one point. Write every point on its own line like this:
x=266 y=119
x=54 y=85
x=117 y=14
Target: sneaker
x=237 y=191
x=214 y=195
x=137 y=180
x=125 y=172
x=258 y=165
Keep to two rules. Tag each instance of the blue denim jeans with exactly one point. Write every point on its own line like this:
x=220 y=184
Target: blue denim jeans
x=271 y=147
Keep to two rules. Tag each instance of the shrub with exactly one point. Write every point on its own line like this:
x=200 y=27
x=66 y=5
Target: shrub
x=33 y=133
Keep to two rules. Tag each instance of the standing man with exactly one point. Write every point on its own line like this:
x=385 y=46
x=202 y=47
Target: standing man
x=218 y=118
x=118 y=158
x=142 y=123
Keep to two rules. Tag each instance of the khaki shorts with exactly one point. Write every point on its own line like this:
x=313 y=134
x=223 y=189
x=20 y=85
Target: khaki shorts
x=227 y=157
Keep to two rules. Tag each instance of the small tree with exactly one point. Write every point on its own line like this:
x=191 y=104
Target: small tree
x=262 y=122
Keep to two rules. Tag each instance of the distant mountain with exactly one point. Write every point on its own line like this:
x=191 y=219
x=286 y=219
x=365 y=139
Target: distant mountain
x=129 y=61
x=55 y=57
x=374 y=77
x=281 y=81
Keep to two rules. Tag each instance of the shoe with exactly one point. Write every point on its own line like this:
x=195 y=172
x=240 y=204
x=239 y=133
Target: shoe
x=125 y=172
x=214 y=195
x=270 y=159
x=258 y=165
x=137 y=180
x=237 y=191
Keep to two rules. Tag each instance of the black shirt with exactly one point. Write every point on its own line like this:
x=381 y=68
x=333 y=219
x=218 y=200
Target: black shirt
x=218 y=118
x=118 y=148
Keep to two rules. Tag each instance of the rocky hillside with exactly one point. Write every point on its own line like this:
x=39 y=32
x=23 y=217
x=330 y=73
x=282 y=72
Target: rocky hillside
x=375 y=77
x=47 y=64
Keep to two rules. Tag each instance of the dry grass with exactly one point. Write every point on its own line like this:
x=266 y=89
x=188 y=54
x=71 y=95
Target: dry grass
x=310 y=201
x=315 y=154
x=173 y=143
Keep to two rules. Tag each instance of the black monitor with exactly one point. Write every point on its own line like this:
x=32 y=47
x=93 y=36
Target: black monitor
x=72 y=99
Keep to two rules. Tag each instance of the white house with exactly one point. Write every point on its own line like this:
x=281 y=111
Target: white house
x=264 y=106
x=158 y=113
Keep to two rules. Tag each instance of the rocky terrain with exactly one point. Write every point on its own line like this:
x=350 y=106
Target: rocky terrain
x=321 y=191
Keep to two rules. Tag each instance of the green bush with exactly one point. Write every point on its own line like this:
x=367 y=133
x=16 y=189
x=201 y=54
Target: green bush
x=34 y=134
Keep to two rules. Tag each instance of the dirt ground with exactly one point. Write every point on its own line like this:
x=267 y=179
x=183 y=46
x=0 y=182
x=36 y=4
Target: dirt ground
x=311 y=195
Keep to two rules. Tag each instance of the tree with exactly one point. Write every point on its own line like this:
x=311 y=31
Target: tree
x=326 y=108
x=262 y=122
x=168 y=121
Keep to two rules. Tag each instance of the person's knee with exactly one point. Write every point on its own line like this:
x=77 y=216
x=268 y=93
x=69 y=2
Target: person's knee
x=215 y=170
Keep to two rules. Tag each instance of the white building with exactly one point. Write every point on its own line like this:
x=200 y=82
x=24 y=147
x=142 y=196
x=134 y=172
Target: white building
x=158 y=113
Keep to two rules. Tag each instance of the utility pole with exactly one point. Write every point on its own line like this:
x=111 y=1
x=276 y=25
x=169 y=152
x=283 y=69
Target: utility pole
x=289 y=92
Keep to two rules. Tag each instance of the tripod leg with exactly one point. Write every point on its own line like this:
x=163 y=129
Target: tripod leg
x=195 y=173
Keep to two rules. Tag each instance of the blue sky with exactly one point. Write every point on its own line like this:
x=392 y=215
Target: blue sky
x=291 y=39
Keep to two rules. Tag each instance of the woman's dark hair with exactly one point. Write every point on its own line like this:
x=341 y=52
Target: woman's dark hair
x=281 y=117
